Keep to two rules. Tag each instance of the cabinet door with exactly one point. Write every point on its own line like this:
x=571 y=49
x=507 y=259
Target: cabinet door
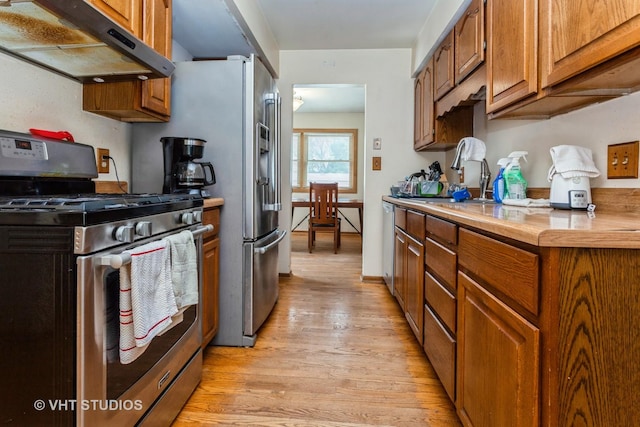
x=469 y=40
x=414 y=300
x=424 y=108
x=512 y=51
x=417 y=110
x=498 y=361
x=576 y=35
x=400 y=260
x=444 y=68
x=127 y=13
x=156 y=93
x=210 y=286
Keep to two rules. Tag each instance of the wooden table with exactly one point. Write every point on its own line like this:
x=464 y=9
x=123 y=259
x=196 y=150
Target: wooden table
x=342 y=203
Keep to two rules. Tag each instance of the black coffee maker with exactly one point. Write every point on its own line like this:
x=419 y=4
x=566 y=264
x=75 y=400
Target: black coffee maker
x=182 y=174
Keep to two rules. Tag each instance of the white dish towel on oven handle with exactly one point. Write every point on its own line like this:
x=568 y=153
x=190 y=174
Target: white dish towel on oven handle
x=147 y=301
x=184 y=273
x=184 y=268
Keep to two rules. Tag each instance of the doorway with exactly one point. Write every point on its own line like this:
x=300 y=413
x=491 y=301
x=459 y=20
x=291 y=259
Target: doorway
x=328 y=145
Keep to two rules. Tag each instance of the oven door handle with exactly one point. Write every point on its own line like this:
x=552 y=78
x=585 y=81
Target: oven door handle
x=118 y=260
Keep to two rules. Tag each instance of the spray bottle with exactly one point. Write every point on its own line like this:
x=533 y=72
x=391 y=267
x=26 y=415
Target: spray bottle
x=498 y=183
x=514 y=183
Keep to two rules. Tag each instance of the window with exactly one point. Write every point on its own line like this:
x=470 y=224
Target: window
x=324 y=155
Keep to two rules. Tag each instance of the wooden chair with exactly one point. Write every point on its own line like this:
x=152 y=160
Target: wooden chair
x=323 y=212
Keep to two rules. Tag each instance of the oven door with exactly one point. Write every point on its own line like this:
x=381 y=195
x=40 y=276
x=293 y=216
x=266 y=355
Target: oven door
x=112 y=393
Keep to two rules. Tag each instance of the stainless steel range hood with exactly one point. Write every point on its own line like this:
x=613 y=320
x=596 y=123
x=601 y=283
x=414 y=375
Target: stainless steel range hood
x=74 y=39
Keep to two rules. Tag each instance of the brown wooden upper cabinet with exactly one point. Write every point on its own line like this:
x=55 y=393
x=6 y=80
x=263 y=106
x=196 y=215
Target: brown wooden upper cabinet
x=424 y=108
x=127 y=13
x=444 y=67
x=469 y=40
x=576 y=36
x=512 y=41
x=136 y=101
x=547 y=57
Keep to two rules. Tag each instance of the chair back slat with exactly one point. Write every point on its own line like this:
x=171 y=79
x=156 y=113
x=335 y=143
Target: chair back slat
x=323 y=199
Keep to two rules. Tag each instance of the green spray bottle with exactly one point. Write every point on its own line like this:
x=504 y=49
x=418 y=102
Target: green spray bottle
x=514 y=183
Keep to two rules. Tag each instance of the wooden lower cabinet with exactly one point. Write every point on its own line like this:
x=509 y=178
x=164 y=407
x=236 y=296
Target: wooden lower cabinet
x=414 y=302
x=440 y=348
x=400 y=268
x=526 y=335
x=210 y=277
x=409 y=267
x=498 y=361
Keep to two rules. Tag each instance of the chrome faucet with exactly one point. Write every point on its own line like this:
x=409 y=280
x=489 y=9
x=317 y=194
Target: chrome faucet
x=485 y=178
x=457 y=161
x=485 y=173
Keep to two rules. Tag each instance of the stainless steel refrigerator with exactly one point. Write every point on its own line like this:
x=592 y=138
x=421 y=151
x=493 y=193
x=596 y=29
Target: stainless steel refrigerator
x=234 y=105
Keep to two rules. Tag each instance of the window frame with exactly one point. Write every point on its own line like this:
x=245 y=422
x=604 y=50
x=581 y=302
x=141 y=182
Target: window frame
x=302 y=158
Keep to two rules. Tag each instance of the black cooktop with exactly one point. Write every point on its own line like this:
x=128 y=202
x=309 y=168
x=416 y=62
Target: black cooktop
x=89 y=209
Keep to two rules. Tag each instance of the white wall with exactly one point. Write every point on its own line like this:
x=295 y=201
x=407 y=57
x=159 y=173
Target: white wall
x=334 y=121
x=35 y=98
x=253 y=23
x=386 y=74
x=441 y=20
x=594 y=127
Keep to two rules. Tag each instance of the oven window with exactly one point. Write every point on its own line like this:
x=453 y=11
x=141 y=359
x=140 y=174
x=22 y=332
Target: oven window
x=121 y=377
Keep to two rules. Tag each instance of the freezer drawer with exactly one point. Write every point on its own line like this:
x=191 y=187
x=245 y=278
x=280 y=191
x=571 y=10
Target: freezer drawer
x=260 y=280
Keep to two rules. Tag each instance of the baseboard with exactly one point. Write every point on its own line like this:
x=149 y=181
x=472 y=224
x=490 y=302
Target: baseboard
x=372 y=279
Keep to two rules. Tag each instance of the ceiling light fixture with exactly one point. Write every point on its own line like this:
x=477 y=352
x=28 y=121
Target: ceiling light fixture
x=297 y=102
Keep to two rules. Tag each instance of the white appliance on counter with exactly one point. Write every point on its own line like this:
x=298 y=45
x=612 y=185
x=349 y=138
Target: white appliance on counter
x=234 y=105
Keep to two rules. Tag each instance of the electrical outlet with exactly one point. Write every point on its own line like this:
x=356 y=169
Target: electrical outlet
x=377 y=143
x=622 y=160
x=102 y=159
x=376 y=164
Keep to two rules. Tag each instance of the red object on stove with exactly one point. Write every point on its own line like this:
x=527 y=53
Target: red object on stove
x=61 y=134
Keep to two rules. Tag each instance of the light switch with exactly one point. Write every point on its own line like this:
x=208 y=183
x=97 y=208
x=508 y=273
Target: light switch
x=377 y=143
x=622 y=160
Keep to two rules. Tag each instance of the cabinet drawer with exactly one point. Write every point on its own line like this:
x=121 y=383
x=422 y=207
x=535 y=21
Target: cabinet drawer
x=440 y=348
x=415 y=224
x=441 y=301
x=512 y=271
x=442 y=262
x=400 y=217
x=442 y=230
x=211 y=216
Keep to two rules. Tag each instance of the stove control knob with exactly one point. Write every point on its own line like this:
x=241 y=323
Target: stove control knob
x=186 y=218
x=125 y=233
x=143 y=228
x=197 y=216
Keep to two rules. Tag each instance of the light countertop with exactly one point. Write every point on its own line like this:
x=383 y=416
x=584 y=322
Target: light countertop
x=538 y=226
x=213 y=202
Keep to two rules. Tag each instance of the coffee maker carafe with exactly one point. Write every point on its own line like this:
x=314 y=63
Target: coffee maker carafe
x=182 y=174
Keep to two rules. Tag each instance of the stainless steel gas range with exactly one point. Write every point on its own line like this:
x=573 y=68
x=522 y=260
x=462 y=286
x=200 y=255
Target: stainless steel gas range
x=61 y=251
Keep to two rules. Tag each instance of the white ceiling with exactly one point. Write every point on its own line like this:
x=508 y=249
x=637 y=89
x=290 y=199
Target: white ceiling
x=345 y=24
x=207 y=29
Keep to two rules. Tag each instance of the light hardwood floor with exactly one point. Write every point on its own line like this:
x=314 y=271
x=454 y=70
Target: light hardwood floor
x=334 y=352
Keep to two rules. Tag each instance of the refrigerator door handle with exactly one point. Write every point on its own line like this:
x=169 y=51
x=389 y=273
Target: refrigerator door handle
x=265 y=249
x=276 y=169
